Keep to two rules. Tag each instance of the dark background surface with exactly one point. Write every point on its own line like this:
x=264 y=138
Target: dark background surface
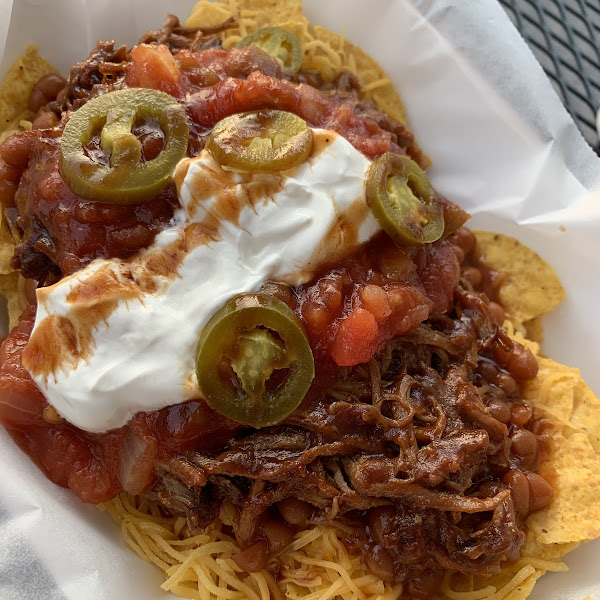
x=565 y=38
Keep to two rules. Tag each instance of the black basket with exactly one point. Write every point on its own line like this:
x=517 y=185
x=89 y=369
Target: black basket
x=565 y=37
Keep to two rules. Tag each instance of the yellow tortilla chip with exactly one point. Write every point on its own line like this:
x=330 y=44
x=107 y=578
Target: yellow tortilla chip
x=533 y=548
x=586 y=414
x=553 y=389
x=574 y=515
x=531 y=288
x=17 y=86
x=12 y=287
x=534 y=329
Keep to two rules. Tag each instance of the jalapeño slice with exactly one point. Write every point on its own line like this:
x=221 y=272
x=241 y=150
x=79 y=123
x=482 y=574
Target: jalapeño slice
x=263 y=141
x=254 y=363
x=127 y=179
x=403 y=201
x=279 y=43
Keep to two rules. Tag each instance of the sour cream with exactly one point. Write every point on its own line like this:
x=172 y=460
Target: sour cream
x=120 y=336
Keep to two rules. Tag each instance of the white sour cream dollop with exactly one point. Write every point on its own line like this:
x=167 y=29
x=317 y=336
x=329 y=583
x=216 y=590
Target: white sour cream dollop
x=120 y=336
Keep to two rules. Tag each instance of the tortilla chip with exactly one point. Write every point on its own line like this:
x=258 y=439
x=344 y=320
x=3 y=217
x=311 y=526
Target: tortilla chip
x=12 y=287
x=16 y=88
x=531 y=288
x=574 y=515
x=534 y=330
x=586 y=413
x=553 y=389
x=551 y=552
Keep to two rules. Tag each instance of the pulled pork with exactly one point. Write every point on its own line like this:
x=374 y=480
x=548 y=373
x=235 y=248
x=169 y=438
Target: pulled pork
x=411 y=444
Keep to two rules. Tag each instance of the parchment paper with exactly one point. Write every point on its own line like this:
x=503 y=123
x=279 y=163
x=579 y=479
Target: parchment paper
x=502 y=146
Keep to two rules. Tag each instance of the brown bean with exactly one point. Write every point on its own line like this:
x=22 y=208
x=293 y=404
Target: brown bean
x=51 y=84
x=254 y=558
x=518 y=360
x=9 y=182
x=459 y=252
x=464 y=238
x=519 y=490
x=488 y=370
x=472 y=275
x=45 y=120
x=497 y=312
x=36 y=100
x=294 y=511
x=540 y=491
x=380 y=563
x=520 y=414
x=16 y=150
x=279 y=535
x=507 y=383
x=46 y=89
x=525 y=445
x=499 y=409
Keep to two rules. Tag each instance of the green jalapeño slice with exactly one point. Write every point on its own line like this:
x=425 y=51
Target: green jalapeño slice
x=279 y=43
x=263 y=141
x=254 y=363
x=403 y=201
x=127 y=179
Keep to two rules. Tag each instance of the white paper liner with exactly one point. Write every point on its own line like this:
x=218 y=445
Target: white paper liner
x=503 y=147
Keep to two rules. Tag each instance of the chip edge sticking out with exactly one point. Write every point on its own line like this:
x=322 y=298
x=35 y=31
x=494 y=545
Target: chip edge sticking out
x=16 y=88
x=531 y=288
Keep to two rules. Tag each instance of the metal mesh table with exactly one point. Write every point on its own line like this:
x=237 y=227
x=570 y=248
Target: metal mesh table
x=565 y=37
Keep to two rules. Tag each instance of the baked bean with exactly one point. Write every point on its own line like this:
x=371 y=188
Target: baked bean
x=294 y=511
x=518 y=360
x=9 y=182
x=520 y=414
x=540 y=491
x=16 y=150
x=45 y=120
x=254 y=558
x=499 y=409
x=525 y=445
x=459 y=252
x=46 y=89
x=381 y=563
x=279 y=535
x=507 y=383
x=519 y=490
x=472 y=275
x=464 y=238
x=497 y=312
x=488 y=370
